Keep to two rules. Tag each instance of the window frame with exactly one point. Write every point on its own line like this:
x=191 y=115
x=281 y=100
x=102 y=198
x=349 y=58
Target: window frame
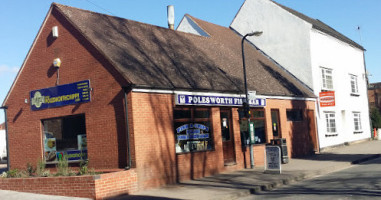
x=355 y=89
x=357 y=128
x=331 y=130
x=326 y=75
x=192 y=119
x=300 y=111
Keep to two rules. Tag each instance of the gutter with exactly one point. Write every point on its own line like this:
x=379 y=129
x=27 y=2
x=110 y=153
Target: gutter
x=6 y=133
x=129 y=162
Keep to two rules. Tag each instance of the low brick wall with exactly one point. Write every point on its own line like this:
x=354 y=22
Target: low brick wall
x=96 y=187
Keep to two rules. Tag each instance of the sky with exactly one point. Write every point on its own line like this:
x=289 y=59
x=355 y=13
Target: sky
x=20 y=21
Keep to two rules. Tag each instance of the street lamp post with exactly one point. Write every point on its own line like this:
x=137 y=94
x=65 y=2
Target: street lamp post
x=246 y=106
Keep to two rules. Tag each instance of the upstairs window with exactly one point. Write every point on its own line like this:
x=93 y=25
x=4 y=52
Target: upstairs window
x=357 y=122
x=327 y=82
x=354 y=86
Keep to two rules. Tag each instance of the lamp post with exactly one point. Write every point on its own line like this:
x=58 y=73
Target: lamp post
x=246 y=106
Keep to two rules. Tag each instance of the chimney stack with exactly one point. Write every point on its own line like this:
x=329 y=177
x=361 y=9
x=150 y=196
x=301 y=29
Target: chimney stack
x=171 y=17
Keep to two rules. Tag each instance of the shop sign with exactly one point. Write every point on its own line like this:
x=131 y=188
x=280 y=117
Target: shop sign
x=273 y=163
x=327 y=98
x=208 y=100
x=72 y=93
x=72 y=155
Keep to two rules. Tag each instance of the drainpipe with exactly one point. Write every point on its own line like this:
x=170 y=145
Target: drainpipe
x=126 y=90
x=6 y=133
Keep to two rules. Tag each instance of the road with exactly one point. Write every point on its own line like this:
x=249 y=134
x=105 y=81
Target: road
x=361 y=181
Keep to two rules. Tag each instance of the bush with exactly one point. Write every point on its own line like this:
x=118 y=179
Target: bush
x=63 y=168
x=376 y=118
x=41 y=171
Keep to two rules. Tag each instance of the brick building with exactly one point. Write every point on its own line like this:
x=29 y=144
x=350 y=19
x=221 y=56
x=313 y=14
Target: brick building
x=129 y=95
x=374 y=95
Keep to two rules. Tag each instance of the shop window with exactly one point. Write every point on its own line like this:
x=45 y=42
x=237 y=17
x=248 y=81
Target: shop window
x=295 y=115
x=327 y=80
x=65 y=138
x=357 y=122
x=258 y=117
x=192 y=129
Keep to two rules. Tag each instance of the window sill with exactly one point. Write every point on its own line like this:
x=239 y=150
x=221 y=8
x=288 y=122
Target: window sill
x=331 y=135
x=327 y=90
x=357 y=132
x=355 y=94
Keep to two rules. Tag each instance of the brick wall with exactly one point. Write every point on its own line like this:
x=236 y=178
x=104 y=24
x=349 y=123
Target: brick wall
x=104 y=115
x=97 y=187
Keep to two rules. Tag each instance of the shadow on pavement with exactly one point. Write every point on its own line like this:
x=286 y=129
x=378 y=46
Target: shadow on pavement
x=353 y=158
x=139 y=197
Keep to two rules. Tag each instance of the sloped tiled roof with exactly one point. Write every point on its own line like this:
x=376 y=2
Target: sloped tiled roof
x=319 y=25
x=154 y=57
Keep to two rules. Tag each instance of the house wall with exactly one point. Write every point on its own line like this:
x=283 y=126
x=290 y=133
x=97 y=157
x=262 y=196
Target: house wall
x=104 y=115
x=285 y=37
x=344 y=60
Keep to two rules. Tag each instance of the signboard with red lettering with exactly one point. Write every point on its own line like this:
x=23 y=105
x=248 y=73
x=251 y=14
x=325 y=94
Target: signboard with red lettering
x=327 y=98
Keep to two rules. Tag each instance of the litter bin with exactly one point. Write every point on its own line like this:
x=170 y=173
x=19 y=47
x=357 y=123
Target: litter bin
x=281 y=142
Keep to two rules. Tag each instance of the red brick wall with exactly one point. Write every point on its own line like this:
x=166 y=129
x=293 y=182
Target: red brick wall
x=97 y=187
x=158 y=164
x=296 y=133
x=105 y=120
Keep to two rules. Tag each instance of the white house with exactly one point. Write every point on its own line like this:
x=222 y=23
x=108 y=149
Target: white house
x=3 y=143
x=328 y=62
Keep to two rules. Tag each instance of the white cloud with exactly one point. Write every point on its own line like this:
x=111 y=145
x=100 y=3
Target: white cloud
x=8 y=69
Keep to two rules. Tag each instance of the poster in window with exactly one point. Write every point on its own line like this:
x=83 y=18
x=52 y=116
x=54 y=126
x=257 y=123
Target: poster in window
x=50 y=148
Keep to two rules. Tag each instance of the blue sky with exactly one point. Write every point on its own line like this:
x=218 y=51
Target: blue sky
x=20 y=21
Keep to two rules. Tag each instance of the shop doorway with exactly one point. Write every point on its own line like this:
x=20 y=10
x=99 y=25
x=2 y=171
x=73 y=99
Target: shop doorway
x=227 y=137
x=275 y=124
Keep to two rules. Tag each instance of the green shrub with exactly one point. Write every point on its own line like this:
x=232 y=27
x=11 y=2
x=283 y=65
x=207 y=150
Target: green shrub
x=40 y=170
x=30 y=169
x=63 y=168
x=376 y=118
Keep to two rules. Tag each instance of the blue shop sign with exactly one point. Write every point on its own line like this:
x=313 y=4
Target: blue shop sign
x=72 y=93
x=208 y=100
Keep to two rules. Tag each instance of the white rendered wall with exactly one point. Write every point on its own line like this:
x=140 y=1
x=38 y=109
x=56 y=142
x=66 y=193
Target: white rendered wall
x=3 y=144
x=285 y=37
x=343 y=59
x=187 y=25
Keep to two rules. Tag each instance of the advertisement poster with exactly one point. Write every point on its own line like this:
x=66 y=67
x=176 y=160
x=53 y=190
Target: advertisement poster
x=327 y=98
x=50 y=149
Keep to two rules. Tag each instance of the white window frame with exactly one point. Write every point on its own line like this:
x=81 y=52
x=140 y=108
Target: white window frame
x=330 y=119
x=354 y=85
x=357 y=122
x=327 y=79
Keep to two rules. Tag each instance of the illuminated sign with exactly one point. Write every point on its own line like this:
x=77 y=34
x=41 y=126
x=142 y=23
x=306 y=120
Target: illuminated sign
x=208 y=100
x=327 y=98
x=73 y=93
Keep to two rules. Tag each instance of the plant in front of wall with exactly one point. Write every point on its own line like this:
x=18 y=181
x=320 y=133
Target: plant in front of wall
x=63 y=168
x=375 y=116
x=40 y=170
x=30 y=169
x=15 y=173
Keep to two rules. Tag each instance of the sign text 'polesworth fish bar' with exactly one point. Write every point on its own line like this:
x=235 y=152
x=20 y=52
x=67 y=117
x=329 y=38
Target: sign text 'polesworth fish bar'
x=208 y=100
x=72 y=93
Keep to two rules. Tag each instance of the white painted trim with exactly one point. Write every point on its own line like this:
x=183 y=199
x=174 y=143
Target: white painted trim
x=219 y=94
x=27 y=56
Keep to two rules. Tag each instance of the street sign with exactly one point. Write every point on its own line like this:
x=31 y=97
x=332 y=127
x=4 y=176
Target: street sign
x=251 y=127
x=252 y=95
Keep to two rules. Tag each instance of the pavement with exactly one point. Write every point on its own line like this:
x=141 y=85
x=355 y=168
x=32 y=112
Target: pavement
x=241 y=183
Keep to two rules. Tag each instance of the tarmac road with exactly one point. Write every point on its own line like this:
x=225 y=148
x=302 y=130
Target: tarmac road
x=361 y=181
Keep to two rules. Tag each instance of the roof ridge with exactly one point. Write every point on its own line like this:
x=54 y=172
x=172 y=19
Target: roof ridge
x=314 y=22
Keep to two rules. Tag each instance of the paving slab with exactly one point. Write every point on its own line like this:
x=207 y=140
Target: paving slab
x=244 y=182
